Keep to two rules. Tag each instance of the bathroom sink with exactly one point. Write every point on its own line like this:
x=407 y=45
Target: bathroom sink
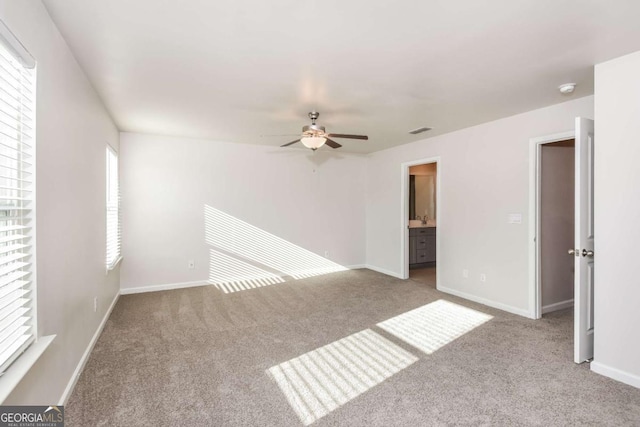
x=415 y=223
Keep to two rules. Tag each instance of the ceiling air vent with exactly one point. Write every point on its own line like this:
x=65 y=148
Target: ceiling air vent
x=419 y=130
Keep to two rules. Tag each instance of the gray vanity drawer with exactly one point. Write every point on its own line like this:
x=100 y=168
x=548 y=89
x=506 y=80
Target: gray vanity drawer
x=422 y=231
x=422 y=245
x=421 y=242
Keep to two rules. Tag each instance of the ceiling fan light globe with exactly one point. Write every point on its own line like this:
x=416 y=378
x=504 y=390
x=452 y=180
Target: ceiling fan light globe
x=313 y=142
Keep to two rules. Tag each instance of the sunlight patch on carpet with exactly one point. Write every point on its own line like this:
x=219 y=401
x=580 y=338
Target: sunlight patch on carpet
x=230 y=274
x=434 y=325
x=324 y=379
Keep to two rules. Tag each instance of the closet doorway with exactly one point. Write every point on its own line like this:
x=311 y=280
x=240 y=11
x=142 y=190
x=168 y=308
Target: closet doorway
x=556 y=215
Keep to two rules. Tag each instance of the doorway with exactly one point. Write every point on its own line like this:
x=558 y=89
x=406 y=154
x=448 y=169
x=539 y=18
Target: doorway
x=556 y=233
x=581 y=250
x=420 y=210
x=535 y=226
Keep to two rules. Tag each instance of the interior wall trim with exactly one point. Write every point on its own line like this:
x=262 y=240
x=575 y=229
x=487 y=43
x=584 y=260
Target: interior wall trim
x=181 y=285
x=616 y=374
x=162 y=287
x=500 y=306
x=384 y=271
x=85 y=356
x=557 y=306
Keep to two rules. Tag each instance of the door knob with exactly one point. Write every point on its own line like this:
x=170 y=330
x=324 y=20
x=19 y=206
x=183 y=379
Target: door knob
x=575 y=252
x=587 y=253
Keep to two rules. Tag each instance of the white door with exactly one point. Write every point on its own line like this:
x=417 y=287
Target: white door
x=583 y=297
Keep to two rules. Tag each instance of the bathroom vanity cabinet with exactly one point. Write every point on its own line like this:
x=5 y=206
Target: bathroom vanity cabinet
x=422 y=246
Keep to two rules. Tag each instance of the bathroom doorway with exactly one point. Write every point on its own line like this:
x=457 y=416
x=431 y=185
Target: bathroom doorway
x=420 y=220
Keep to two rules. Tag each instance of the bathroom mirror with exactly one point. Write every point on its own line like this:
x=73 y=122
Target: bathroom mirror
x=422 y=196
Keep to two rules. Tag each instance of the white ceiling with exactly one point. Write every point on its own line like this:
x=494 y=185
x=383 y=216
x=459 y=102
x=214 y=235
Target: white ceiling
x=234 y=70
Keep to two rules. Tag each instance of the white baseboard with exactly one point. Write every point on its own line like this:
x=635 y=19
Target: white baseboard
x=616 y=374
x=383 y=271
x=204 y=282
x=85 y=357
x=490 y=303
x=557 y=306
x=162 y=287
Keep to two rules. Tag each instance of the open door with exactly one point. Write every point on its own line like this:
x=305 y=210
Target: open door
x=583 y=252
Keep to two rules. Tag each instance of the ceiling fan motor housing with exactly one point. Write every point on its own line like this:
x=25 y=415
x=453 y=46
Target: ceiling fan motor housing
x=313 y=129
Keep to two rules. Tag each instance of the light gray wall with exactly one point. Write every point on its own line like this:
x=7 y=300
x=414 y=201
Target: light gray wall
x=617 y=209
x=72 y=131
x=557 y=208
x=313 y=200
x=484 y=175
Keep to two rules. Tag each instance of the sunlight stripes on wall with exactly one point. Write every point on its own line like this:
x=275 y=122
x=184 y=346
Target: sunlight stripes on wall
x=237 y=237
x=230 y=274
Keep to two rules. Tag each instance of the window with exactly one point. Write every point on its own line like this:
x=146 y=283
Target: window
x=113 y=210
x=17 y=215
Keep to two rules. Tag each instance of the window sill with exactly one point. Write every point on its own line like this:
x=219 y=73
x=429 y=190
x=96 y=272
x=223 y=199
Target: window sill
x=21 y=366
x=114 y=264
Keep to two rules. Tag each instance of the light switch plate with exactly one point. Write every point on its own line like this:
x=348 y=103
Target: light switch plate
x=515 y=218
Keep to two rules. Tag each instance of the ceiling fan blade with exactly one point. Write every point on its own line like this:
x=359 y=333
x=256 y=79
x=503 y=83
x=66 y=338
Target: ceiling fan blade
x=342 y=135
x=290 y=143
x=331 y=143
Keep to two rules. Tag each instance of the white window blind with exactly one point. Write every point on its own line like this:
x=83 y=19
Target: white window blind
x=113 y=209
x=17 y=162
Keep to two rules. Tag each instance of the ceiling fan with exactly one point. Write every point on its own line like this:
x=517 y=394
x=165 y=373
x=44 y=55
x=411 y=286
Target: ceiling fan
x=315 y=136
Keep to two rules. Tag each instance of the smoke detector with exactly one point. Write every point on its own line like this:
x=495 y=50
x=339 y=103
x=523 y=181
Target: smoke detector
x=567 y=88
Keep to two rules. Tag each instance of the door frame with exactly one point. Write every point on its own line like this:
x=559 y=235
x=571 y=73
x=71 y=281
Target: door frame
x=535 y=150
x=404 y=214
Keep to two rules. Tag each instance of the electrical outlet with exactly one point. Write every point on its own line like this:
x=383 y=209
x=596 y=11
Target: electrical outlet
x=95 y=304
x=191 y=265
x=483 y=277
x=326 y=254
x=465 y=273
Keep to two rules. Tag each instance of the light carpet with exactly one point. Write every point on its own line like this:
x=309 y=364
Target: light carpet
x=342 y=349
